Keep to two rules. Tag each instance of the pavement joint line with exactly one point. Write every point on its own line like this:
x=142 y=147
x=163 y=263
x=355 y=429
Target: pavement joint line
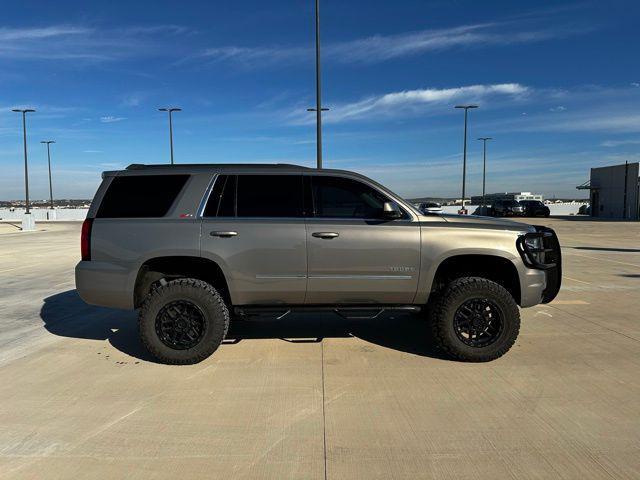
x=324 y=417
x=576 y=280
x=594 y=322
x=603 y=259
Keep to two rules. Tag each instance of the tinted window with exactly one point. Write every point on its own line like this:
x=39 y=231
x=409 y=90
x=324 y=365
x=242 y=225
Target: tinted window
x=269 y=196
x=336 y=197
x=221 y=201
x=141 y=196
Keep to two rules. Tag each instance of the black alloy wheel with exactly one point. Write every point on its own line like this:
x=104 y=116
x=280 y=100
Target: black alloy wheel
x=478 y=322
x=180 y=325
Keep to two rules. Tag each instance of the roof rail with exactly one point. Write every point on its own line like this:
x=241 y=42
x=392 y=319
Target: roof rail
x=142 y=166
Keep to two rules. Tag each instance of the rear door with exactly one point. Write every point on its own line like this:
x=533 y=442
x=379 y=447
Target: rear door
x=253 y=226
x=354 y=255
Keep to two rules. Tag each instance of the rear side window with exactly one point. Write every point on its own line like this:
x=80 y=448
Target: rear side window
x=141 y=196
x=256 y=196
x=269 y=196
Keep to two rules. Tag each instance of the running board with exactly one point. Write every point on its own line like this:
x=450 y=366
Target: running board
x=359 y=312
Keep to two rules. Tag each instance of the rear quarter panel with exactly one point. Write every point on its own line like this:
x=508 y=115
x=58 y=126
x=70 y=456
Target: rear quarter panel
x=119 y=246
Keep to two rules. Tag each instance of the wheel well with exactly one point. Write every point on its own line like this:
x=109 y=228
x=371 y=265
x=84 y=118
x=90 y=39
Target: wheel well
x=154 y=270
x=496 y=269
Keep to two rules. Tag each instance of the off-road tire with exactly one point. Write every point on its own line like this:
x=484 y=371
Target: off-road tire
x=198 y=293
x=454 y=295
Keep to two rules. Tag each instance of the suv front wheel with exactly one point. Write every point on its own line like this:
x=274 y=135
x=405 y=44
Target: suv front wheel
x=183 y=321
x=475 y=320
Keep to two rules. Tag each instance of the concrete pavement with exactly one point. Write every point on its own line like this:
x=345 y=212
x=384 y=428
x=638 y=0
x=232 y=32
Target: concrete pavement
x=317 y=396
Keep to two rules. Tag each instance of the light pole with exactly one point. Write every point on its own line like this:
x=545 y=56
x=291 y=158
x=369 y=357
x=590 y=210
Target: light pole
x=464 y=154
x=484 y=165
x=170 y=110
x=26 y=168
x=318 y=108
x=48 y=143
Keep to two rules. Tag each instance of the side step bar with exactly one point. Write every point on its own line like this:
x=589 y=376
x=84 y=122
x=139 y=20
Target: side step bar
x=351 y=312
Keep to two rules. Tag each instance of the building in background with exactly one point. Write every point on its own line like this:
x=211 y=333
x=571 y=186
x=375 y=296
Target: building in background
x=517 y=196
x=614 y=191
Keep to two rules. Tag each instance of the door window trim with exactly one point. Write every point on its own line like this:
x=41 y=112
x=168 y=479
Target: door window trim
x=307 y=189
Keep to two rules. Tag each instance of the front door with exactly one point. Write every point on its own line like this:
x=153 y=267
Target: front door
x=253 y=227
x=355 y=256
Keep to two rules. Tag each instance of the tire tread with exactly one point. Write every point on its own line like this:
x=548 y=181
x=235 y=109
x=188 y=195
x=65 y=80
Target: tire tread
x=445 y=301
x=183 y=283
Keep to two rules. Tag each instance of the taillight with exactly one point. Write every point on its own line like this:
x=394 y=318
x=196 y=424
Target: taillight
x=85 y=239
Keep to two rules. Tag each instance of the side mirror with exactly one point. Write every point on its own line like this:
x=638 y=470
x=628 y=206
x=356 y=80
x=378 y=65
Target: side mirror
x=391 y=211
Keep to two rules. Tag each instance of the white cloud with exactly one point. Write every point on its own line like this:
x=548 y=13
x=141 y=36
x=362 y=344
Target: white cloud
x=87 y=44
x=596 y=121
x=559 y=108
x=251 y=56
x=111 y=119
x=17 y=34
x=134 y=99
x=619 y=143
x=379 y=48
x=409 y=101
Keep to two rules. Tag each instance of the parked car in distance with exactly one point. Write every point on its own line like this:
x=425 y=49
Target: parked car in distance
x=429 y=207
x=484 y=211
x=535 y=208
x=507 y=208
x=195 y=247
x=584 y=209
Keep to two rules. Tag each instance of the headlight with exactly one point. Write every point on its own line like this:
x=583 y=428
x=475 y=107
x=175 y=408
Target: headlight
x=535 y=243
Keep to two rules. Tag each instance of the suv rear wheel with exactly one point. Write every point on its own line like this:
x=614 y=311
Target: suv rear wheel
x=475 y=320
x=183 y=321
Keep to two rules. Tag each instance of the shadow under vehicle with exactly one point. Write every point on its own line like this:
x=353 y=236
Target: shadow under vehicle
x=66 y=315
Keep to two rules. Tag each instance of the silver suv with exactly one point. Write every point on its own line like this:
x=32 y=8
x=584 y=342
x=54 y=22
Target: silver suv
x=192 y=246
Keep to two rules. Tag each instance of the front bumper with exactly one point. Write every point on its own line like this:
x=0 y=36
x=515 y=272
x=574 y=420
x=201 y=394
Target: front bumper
x=550 y=263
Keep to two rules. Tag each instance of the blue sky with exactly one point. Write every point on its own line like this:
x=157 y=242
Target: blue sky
x=558 y=86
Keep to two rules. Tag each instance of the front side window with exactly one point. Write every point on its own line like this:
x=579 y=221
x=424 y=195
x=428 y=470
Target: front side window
x=337 y=197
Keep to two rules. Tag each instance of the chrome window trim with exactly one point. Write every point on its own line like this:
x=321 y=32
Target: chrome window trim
x=410 y=211
x=361 y=277
x=205 y=198
x=334 y=277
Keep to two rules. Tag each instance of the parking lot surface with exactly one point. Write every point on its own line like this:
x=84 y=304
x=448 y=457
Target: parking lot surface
x=316 y=396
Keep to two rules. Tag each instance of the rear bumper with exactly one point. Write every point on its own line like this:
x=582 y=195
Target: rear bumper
x=104 y=284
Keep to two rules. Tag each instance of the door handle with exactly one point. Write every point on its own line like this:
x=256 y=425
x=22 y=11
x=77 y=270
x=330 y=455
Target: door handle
x=325 y=235
x=223 y=234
